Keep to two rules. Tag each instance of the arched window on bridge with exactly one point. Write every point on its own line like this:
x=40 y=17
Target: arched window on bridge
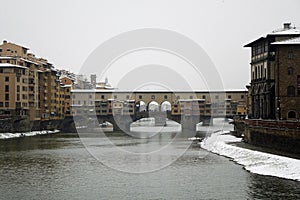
x=165 y=106
x=140 y=106
x=153 y=106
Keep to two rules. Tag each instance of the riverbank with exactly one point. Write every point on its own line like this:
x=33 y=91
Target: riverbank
x=4 y=136
x=279 y=135
x=253 y=161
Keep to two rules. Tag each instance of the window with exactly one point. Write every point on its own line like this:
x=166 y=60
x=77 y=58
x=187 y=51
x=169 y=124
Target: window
x=217 y=97
x=115 y=96
x=291 y=91
x=203 y=97
x=152 y=96
x=242 y=96
x=102 y=96
x=6 y=104
x=166 y=97
x=290 y=55
x=229 y=96
x=191 y=97
x=1 y=104
x=178 y=97
x=266 y=47
x=140 y=96
x=7 y=97
x=6 y=88
x=292 y=114
x=127 y=96
x=265 y=73
x=290 y=71
x=6 y=78
x=90 y=96
x=0 y=50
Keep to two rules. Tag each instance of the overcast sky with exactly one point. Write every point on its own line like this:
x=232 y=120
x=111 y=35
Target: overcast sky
x=66 y=32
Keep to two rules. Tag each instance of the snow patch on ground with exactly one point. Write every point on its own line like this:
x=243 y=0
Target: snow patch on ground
x=27 y=134
x=253 y=161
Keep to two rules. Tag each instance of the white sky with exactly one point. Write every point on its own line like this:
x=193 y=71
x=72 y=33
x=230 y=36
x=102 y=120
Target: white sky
x=67 y=31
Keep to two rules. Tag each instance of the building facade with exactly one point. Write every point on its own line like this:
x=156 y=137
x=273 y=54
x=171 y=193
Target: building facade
x=31 y=87
x=274 y=72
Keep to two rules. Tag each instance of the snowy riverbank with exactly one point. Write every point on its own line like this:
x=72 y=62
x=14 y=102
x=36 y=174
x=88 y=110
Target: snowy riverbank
x=253 y=161
x=26 y=134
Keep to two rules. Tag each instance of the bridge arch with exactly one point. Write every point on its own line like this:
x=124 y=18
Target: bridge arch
x=165 y=106
x=140 y=106
x=153 y=106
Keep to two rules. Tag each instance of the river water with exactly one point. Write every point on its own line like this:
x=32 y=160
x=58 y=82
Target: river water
x=58 y=166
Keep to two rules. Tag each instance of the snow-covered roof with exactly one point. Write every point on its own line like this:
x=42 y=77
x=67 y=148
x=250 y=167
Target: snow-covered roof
x=6 y=57
x=66 y=85
x=85 y=91
x=191 y=99
x=3 y=65
x=287 y=31
x=292 y=41
x=279 y=32
x=66 y=76
x=158 y=91
x=29 y=61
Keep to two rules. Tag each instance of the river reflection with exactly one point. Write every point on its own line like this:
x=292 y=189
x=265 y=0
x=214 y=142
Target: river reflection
x=59 y=167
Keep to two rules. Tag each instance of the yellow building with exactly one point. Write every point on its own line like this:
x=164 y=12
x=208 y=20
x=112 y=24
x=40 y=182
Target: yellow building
x=31 y=86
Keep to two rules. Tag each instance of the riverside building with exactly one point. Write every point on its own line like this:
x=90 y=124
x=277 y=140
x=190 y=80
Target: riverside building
x=30 y=87
x=275 y=74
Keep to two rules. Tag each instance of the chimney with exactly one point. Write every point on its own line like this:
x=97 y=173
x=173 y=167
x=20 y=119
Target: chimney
x=286 y=25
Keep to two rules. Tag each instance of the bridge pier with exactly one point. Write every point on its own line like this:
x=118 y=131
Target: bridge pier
x=188 y=124
x=207 y=121
x=160 y=118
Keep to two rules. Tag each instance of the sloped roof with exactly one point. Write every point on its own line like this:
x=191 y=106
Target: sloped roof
x=291 y=41
x=4 y=65
x=292 y=31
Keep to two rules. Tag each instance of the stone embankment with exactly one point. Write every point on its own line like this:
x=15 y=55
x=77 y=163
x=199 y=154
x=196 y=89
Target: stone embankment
x=279 y=135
